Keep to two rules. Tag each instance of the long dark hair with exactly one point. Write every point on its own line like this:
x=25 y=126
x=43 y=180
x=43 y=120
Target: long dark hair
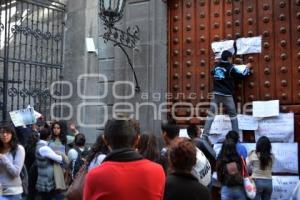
x=63 y=131
x=233 y=135
x=228 y=154
x=263 y=147
x=228 y=151
x=148 y=147
x=99 y=147
x=7 y=127
x=32 y=140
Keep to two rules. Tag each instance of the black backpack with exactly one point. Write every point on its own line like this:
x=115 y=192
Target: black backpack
x=23 y=175
x=77 y=164
x=234 y=176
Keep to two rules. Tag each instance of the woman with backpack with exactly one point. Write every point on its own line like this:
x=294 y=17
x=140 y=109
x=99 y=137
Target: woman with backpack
x=261 y=162
x=229 y=171
x=12 y=156
x=78 y=154
x=95 y=157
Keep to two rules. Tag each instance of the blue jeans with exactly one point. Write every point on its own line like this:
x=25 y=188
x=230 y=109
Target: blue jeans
x=264 y=189
x=11 y=197
x=233 y=193
x=54 y=194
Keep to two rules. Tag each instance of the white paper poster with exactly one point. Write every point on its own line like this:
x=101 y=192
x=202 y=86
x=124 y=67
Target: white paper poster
x=219 y=47
x=220 y=125
x=247 y=122
x=277 y=129
x=218 y=138
x=37 y=114
x=23 y=117
x=283 y=187
x=286 y=156
x=183 y=133
x=90 y=45
x=265 y=108
x=248 y=45
x=241 y=69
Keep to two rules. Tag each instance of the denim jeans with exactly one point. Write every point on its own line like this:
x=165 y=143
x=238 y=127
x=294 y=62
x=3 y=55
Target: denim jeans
x=12 y=197
x=57 y=195
x=264 y=189
x=229 y=104
x=233 y=193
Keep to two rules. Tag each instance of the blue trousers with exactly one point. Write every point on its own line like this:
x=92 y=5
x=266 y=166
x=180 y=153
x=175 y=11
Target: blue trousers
x=264 y=188
x=233 y=193
x=11 y=197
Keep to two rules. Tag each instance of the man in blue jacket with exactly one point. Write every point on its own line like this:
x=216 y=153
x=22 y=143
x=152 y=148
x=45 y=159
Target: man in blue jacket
x=225 y=74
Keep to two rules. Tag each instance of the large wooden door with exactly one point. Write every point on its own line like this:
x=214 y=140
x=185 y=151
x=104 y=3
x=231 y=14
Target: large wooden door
x=195 y=24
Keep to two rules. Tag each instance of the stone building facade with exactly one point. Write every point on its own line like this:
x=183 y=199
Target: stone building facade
x=94 y=97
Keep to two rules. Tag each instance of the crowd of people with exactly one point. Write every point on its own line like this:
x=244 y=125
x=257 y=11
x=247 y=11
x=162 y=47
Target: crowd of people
x=124 y=163
x=50 y=162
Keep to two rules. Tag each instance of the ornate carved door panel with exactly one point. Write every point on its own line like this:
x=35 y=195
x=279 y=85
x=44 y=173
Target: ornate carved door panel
x=195 y=24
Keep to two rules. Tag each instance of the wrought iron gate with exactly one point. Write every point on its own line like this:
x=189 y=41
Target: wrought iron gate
x=31 y=53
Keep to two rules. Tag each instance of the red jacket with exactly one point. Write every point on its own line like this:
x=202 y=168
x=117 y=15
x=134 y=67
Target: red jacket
x=134 y=180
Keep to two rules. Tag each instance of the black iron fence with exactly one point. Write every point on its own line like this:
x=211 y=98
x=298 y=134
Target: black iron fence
x=31 y=54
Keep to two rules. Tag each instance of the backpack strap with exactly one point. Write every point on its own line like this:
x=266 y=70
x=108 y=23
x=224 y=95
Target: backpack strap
x=79 y=152
x=86 y=149
x=244 y=168
x=14 y=152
